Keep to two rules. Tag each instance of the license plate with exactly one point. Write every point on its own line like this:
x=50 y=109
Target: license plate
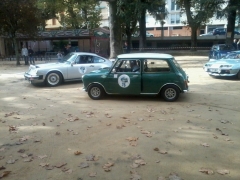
x=213 y=70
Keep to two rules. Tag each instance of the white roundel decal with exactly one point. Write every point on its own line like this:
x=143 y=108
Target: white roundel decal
x=124 y=81
x=82 y=70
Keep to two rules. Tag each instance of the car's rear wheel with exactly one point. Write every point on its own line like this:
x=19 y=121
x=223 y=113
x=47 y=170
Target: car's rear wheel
x=95 y=92
x=54 y=79
x=170 y=93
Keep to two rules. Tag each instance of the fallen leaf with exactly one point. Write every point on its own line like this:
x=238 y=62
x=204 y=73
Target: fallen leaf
x=44 y=164
x=156 y=149
x=92 y=174
x=21 y=150
x=12 y=128
x=2 y=149
x=69 y=171
x=140 y=119
x=90 y=157
x=223 y=171
x=145 y=132
x=11 y=161
x=135 y=175
x=83 y=165
x=59 y=165
x=2 y=167
x=77 y=152
x=1 y=157
x=24 y=155
x=27 y=160
x=108 y=124
x=4 y=174
x=107 y=115
x=163 y=152
x=48 y=167
x=42 y=156
x=149 y=135
x=174 y=176
x=206 y=171
x=132 y=138
x=205 y=144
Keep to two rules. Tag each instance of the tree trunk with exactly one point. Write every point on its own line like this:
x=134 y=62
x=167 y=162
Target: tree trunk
x=142 y=28
x=115 y=31
x=194 y=38
x=16 y=51
x=231 y=22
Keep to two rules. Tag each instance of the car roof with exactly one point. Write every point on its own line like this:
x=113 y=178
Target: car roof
x=84 y=53
x=145 y=55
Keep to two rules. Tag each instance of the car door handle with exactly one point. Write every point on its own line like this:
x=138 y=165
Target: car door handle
x=135 y=75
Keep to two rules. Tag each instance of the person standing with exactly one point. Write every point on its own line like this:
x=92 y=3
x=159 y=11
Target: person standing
x=59 y=56
x=30 y=54
x=25 y=54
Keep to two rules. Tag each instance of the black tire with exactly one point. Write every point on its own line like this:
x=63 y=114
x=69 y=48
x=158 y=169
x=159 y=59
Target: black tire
x=96 y=92
x=54 y=79
x=238 y=75
x=170 y=93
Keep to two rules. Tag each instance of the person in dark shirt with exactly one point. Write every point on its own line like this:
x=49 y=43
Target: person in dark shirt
x=30 y=55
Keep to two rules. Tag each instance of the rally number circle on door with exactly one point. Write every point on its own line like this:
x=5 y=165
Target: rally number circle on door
x=124 y=81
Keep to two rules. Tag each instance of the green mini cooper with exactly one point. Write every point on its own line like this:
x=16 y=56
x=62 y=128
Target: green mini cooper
x=138 y=74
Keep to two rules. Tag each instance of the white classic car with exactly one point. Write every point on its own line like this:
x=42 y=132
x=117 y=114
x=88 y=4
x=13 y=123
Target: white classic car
x=72 y=67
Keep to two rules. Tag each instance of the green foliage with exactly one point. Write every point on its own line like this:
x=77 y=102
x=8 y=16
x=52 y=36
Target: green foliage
x=72 y=13
x=19 y=16
x=199 y=12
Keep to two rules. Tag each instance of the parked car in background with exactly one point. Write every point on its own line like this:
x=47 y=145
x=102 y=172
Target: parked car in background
x=148 y=34
x=72 y=67
x=210 y=33
x=139 y=74
x=218 y=51
x=222 y=31
x=227 y=66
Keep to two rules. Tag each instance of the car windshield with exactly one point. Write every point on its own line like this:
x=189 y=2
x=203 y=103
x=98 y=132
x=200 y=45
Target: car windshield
x=225 y=47
x=69 y=58
x=232 y=56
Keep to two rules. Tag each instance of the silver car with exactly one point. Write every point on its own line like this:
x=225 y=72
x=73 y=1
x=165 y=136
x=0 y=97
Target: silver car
x=73 y=66
x=227 y=66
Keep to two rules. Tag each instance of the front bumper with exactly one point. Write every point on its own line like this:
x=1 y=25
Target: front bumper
x=33 y=78
x=222 y=72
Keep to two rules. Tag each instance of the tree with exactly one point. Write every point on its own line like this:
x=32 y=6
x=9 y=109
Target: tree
x=231 y=12
x=18 y=18
x=198 y=13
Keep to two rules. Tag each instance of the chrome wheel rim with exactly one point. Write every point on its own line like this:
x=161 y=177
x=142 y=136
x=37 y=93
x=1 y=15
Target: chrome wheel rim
x=95 y=92
x=170 y=93
x=53 y=79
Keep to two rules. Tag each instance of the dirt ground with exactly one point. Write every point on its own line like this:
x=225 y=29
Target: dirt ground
x=120 y=137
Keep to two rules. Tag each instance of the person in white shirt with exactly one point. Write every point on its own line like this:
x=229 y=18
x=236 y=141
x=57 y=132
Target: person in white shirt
x=25 y=54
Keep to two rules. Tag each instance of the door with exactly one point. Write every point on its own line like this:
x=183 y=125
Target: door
x=83 y=64
x=155 y=74
x=125 y=78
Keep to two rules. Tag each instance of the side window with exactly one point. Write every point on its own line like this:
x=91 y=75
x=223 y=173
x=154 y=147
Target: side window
x=78 y=60
x=153 y=66
x=98 y=60
x=131 y=65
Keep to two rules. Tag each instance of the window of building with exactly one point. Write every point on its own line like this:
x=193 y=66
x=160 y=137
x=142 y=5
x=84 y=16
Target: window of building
x=174 y=6
x=160 y=28
x=175 y=18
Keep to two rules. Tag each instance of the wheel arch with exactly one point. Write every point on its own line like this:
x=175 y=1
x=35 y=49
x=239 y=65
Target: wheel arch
x=172 y=84
x=95 y=83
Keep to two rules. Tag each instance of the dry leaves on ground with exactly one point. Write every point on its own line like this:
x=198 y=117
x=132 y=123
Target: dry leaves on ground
x=44 y=164
x=91 y=157
x=83 y=165
x=42 y=156
x=223 y=171
x=108 y=115
x=135 y=175
x=92 y=174
x=61 y=164
x=13 y=129
x=132 y=141
x=11 y=161
x=77 y=152
x=174 y=176
x=206 y=171
x=107 y=166
x=205 y=144
x=4 y=174
x=137 y=163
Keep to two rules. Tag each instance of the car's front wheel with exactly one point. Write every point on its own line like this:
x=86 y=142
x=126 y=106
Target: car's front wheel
x=170 y=93
x=95 y=92
x=54 y=79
